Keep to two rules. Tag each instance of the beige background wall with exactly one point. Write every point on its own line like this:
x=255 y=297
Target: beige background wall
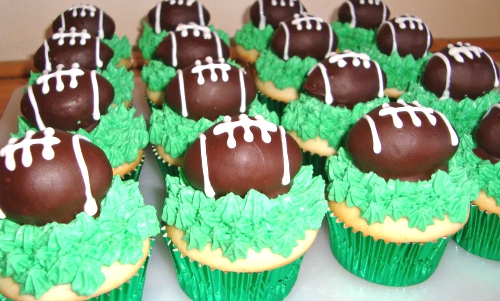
x=24 y=23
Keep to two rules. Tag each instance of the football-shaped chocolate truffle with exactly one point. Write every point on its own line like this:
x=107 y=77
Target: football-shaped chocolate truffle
x=51 y=176
x=71 y=47
x=191 y=42
x=346 y=79
x=210 y=90
x=272 y=12
x=304 y=35
x=167 y=14
x=488 y=136
x=406 y=35
x=242 y=153
x=368 y=14
x=67 y=99
x=459 y=71
x=86 y=16
x=402 y=141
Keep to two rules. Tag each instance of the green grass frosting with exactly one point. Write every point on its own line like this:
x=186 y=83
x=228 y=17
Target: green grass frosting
x=355 y=39
x=121 y=48
x=250 y=37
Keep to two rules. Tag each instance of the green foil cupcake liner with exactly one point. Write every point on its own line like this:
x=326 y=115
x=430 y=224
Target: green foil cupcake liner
x=380 y=262
x=201 y=283
x=165 y=168
x=272 y=105
x=318 y=162
x=480 y=236
x=134 y=174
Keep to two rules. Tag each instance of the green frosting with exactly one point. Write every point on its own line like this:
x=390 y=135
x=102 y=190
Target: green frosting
x=122 y=81
x=250 y=37
x=482 y=172
x=290 y=73
x=400 y=71
x=39 y=258
x=355 y=39
x=420 y=202
x=464 y=115
x=237 y=224
x=311 y=118
x=176 y=133
x=121 y=48
x=157 y=75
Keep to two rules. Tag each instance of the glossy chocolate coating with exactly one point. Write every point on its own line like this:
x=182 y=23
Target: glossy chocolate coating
x=71 y=108
x=409 y=153
x=67 y=54
x=178 y=12
x=367 y=14
x=306 y=41
x=409 y=41
x=472 y=78
x=488 y=136
x=250 y=165
x=52 y=190
x=90 y=22
x=212 y=98
x=349 y=81
x=189 y=49
x=274 y=11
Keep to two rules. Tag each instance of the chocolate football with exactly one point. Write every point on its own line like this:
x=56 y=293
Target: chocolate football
x=402 y=141
x=191 y=42
x=304 y=35
x=67 y=99
x=242 y=153
x=487 y=136
x=51 y=176
x=406 y=35
x=86 y=16
x=209 y=90
x=166 y=15
x=460 y=70
x=71 y=47
x=368 y=14
x=272 y=12
x=346 y=79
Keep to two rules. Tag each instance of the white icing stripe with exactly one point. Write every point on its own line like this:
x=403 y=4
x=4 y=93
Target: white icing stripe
x=428 y=40
x=48 y=65
x=90 y=206
x=287 y=40
x=63 y=22
x=184 y=111
x=495 y=70
x=384 y=13
x=330 y=41
x=394 y=42
x=157 y=20
x=2 y=215
x=380 y=80
x=73 y=73
x=243 y=92
x=262 y=21
x=38 y=118
x=219 y=47
x=301 y=8
x=453 y=134
x=209 y=191
x=174 y=48
x=353 y=14
x=328 y=90
x=200 y=14
x=491 y=108
x=101 y=29
x=377 y=147
x=95 y=90
x=286 y=162
x=99 y=62
x=446 y=92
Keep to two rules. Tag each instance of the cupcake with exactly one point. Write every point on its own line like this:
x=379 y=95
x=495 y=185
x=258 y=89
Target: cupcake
x=87 y=18
x=481 y=156
x=243 y=212
x=396 y=197
x=337 y=91
x=296 y=46
x=49 y=101
x=265 y=17
x=460 y=80
x=358 y=21
x=59 y=196
x=402 y=49
x=224 y=89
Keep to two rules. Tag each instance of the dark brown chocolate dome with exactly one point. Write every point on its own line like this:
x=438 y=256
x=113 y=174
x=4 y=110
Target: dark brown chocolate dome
x=368 y=14
x=51 y=176
x=86 y=16
x=242 y=153
x=488 y=136
x=346 y=79
x=406 y=35
x=166 y=15
x=272 y=12
x=402 y=141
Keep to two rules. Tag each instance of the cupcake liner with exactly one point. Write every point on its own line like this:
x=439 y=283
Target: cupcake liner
x=480 y=235
x=201 y=283
x=318 y=162
x=272 y=105
x=380 y=262
x=165 y=168
x=134 y=174
x=151 y=104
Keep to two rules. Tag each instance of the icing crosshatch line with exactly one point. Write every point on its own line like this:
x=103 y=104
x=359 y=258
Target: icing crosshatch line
x=179 y=3
x=262 y=13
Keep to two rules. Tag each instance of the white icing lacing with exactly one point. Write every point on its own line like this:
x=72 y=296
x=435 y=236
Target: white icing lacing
x=199 y=68
x=305 y=18
x=180 y=2
x=72 y=35
x=84 y=8
x=353 y=22
x=207 y=186
x=262 y=16
x=371 y=2
x=73 y=73
x=243 y=121
x=197 y=29
x=26 y=157
x=357 y=58
x=413 y=22
x=90 y=206
x=469 y=51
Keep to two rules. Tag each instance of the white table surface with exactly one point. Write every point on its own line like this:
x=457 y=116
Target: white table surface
x=460 y=275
